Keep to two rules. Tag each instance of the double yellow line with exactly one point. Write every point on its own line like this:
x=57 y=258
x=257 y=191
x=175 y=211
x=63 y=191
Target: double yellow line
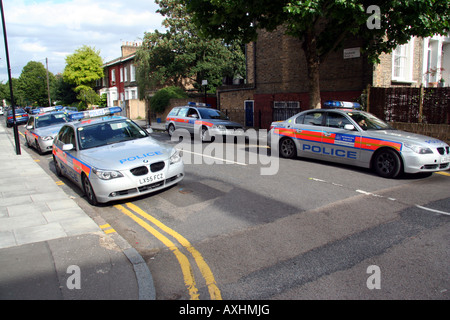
x=186 y=267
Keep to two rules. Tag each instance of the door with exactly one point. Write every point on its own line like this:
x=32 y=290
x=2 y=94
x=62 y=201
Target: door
x=249 y=108
x=308 y=130
x=338 y=144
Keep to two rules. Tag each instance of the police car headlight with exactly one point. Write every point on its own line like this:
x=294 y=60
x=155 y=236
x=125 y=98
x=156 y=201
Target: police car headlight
x=107 y=174
x=418 y=149
x=220 y=127
x=175 y=157
x=47 y=138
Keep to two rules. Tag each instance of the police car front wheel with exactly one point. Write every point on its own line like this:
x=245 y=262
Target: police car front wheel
x=89 y=191
x=57 y=168
x=387 y=163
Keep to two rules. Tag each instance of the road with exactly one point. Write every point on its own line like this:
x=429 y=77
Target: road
x=313 y=230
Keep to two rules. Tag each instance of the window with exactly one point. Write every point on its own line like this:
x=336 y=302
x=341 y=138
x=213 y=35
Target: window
x=174 y=112
x=67 y=136
x=132 y=72
x=283 y=110
x=335 y=120
x=313 y=118
x=125 y=74
x=183 y=112
x=402 y=62
x=121 y=74
x=113 y=76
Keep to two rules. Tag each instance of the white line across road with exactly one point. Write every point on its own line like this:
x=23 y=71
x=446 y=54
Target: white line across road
x=215 y=158
x=433 y=210
x=367 y=193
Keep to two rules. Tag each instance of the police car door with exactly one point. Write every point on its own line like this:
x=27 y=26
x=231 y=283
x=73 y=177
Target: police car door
x=308 y=132
x=67 y=136
x=192 y=117
x=182 y=119
x=338 y=142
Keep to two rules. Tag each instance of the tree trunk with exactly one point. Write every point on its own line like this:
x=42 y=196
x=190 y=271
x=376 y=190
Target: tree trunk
x=313 y=67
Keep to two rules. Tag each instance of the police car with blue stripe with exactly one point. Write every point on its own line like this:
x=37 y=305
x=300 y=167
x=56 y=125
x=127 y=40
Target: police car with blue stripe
x=344 y=134
x=42 y=127
x=202 y=120
x=111 y=157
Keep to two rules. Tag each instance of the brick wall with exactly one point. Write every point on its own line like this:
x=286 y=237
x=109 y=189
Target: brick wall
x=382 y=75
x=281 y=66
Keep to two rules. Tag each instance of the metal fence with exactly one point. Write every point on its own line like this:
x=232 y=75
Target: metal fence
x=411 y=105
x=283 y=110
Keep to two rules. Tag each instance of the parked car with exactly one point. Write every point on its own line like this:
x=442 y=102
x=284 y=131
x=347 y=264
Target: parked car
x=345 y=135
x=42 y=128
x=21 y=117
x=197 y=118
x=112 y=158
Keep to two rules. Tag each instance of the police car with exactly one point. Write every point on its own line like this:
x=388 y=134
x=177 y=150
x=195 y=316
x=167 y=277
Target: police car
x=198 y=118
x=343 y=134
x=42 y=128
x=111 y=157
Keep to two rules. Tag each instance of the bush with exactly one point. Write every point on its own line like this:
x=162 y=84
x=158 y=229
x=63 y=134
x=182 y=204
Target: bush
x=161 y=99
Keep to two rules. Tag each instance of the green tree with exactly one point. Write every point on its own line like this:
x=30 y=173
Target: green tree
x=169 y=58
x=323 y=25
x=32 y=84
x=83 y=68
x=161 y=99
x=63 y=93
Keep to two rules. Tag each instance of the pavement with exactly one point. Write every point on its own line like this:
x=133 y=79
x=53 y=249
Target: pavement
x=50 y=248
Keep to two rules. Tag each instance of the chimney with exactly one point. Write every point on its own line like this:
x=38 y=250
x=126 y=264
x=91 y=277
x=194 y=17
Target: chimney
x=129 y=48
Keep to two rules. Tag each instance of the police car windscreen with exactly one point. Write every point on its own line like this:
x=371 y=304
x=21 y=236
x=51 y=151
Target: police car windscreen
x=366 y=121
x=212 y=114
x=101 y=134
x=50 y=119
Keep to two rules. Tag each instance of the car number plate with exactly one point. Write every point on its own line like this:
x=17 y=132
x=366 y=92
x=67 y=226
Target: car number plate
x=445 y=159
x=151 y=178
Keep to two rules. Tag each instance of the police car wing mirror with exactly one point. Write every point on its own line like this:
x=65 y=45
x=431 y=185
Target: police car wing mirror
x=67 y=147
x=29 y=127
x=349 y=127
x=149 y=130
x=194 y=116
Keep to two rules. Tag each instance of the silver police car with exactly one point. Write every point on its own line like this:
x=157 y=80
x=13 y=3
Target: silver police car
x=111 y=157
x=345 y=135
x=198 y=118
x=42 y=128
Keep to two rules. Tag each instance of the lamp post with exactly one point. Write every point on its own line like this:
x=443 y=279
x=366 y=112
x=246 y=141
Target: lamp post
x=16 y=132
x=205 y=84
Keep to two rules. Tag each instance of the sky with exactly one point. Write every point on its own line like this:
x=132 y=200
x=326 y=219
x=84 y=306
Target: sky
x=53 y=29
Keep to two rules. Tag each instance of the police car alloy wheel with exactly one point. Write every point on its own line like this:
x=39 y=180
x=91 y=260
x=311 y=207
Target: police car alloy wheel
x=387 y=163
x=57 y=167
x=89 y=191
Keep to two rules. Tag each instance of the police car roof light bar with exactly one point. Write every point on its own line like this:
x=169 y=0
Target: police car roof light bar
x=43 y=110
x=198 y=104
x=94 y=113
x=342 y=104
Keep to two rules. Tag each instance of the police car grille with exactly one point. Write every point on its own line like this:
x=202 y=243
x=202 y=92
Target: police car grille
x=139 y=171
x=441 y=150
x=157 y=166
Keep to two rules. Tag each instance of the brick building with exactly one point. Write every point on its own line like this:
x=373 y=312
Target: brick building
x=277 y=86
x=119 y=83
